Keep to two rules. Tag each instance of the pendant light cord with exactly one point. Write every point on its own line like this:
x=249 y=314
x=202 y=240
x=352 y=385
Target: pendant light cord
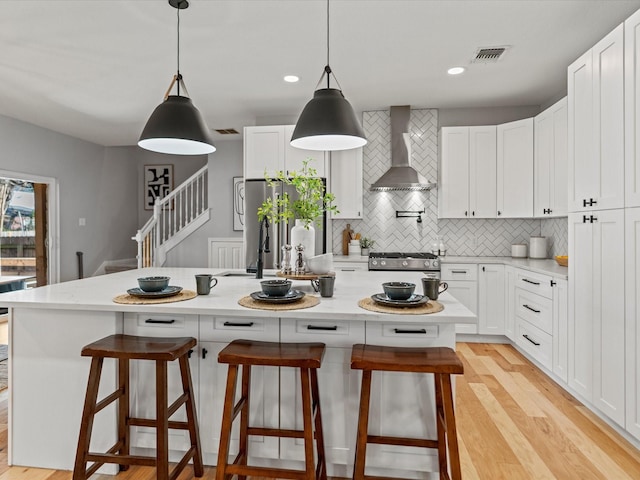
x=327 y=69
x=178 y=48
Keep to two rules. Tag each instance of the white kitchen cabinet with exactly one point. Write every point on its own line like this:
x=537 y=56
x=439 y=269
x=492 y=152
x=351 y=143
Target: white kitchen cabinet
x=596 y=126
x=632 y=320
x=632 y=110
x=515 y=169
x=596 y=309
x=467 y=185
x=351 y=266
x=267 y=148
x=339 y=387
x=509 y=302
x=560 y=328
x=346 y=183
x=550 y=161
x=215 y=334
x=491 y=299
x=463 y=285
x=143 y=377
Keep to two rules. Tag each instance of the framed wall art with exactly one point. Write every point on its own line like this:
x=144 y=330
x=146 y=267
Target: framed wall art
x=238 y=204
x=158 y=182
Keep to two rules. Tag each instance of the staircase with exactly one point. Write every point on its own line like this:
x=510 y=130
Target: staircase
x=174 y=218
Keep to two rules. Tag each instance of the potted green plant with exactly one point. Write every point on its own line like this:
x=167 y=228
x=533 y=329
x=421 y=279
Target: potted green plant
x=307 y=209
x=366 y=244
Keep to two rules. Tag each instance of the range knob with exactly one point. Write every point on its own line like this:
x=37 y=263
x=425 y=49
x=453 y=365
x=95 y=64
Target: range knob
x=436 y=264
x=374 y=262
x=405 y=263
x=383 y=263
x=427 y=263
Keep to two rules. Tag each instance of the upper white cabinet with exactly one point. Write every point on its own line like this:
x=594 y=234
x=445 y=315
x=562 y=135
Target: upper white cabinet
x=268 y=148
x=596 y=126
x=515 y=169
x=467 y=185
x=632 y=109
x=346 y=182
x=550 y=161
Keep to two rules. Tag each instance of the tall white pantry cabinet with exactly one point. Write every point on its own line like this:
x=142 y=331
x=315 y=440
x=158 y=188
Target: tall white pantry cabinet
x=604 y=226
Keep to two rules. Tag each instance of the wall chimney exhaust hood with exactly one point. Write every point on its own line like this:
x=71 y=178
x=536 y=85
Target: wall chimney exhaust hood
x=401 y=175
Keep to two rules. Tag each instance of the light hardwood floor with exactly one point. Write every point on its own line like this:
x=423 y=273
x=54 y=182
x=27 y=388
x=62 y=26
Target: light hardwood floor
x=513 y=424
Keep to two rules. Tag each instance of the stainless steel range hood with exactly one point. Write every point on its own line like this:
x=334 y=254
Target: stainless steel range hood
x=401 y=175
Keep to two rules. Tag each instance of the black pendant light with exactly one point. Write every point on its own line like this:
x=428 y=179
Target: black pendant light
x=328 y=121
x=176 y=126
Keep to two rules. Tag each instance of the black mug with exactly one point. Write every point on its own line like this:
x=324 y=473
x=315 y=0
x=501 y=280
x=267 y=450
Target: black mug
x=432 y=287
x=324 y=284
x=204 y=283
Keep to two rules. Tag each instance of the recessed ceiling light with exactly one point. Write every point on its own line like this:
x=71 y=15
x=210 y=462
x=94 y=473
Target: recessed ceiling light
x=291 y=78
x=455 y=70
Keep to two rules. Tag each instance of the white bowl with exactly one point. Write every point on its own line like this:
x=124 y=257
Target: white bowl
x=320 y=263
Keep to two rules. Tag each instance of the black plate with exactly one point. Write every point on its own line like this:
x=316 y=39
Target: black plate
x=291 y=296
x=414 y=300
x=167 y=292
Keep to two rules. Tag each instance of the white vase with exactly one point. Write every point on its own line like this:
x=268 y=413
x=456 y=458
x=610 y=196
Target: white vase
x=304 y=236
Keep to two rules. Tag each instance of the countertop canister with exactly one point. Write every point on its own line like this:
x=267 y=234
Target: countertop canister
x=538 y=247
x=519 y=250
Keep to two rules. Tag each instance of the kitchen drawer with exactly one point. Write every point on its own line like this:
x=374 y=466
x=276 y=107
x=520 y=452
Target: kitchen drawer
x=536 y=309
x=459 y=271
x=397 y=334
x=534 y=282
x=160 y=325
x=334 y=334
x=227 y=329
x=535 y=342
x=350 y=266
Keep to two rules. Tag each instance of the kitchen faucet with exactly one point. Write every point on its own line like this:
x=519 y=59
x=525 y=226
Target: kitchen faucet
x=263 y=247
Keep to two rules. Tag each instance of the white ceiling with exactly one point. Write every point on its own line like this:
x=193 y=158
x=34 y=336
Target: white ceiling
x=96 y=69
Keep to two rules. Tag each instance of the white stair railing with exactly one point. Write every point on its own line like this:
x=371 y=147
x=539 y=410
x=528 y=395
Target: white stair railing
x=174 y=217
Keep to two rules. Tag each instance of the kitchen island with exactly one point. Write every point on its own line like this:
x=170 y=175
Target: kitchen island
x=47 y=377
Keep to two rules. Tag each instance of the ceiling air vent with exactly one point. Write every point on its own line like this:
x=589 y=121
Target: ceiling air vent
x=489 y=55
x=227 y=131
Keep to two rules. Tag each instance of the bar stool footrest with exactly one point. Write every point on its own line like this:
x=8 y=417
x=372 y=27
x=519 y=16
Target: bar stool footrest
x=266 y=471
x=149 y=422
x=276 y=432
x=402 y=441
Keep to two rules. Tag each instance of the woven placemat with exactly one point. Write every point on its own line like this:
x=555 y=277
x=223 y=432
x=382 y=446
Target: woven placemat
x=307 y=301
x=431 y=307
x=127 y=299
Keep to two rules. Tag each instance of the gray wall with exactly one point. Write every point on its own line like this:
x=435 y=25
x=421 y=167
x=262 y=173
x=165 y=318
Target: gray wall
x=224 y=164
x=94 y=184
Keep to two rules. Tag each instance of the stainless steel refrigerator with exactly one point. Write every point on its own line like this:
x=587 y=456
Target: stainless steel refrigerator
x=255 y=192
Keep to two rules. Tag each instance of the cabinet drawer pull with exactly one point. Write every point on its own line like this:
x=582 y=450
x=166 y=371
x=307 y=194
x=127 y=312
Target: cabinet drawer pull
x=459 y=271
x=347 y=269
x=332 y=328
x=162 y=322
x=531 y=308
x=403 y=330
x=238 y=324
x=530 y=281
x=532 y=341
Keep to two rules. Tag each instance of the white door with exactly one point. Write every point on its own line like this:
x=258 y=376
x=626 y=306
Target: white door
x=482 y=172
x=608 y=117
x=515 y=169
x=632 y=318
x=543 y=159
x=608 y=313
x=453 y=186
x=581 y=305
x=346 y=182
x=580 y=133
x=558 y=180
x=632 y=109
x=491 y=304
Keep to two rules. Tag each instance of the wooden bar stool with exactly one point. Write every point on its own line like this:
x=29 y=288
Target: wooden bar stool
x=442 y=362
x=305 y=356
x=125 y=348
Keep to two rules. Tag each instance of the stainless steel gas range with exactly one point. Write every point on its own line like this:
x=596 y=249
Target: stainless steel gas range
x=399 y=261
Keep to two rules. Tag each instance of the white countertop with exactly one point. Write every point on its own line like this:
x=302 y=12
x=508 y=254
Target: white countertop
x=544 y=266
x=96 y=294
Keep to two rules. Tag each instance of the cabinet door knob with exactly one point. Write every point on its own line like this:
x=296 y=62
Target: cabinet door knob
x=584 y=202
x=466 y=214
x=585 y=219
x=592 y=219
x=204 y=353
x=499 y=213
x=473 y=213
